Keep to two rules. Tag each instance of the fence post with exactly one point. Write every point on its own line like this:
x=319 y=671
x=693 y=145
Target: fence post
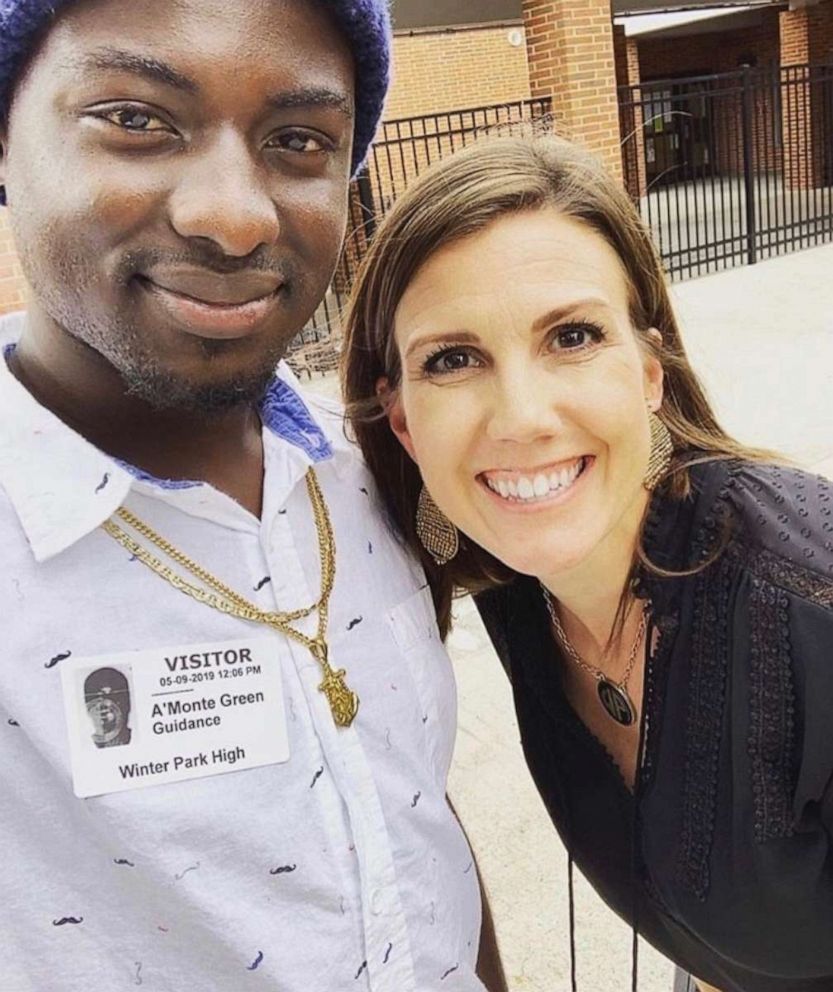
x=747 y=109
x=365 y=189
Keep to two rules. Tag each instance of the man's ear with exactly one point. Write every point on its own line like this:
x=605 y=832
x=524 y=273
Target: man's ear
x=391 y=400
x=654 y=375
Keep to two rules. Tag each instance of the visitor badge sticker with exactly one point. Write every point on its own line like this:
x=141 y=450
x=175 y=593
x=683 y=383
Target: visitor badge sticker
x=170 y=714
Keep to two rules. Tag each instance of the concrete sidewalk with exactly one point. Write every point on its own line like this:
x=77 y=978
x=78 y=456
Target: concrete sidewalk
x=762 y=340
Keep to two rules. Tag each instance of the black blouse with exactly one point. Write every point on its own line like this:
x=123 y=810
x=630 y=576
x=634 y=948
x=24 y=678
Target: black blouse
x=722 y=857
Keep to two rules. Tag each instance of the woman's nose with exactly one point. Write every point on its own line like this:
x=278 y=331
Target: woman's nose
x=524 y=408
x=223 y=197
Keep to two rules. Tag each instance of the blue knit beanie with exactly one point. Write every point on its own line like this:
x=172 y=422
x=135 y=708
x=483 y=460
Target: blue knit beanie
x=365 y=24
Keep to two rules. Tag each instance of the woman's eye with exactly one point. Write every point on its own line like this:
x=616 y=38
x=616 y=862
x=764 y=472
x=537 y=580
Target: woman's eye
x=135 y=119
x=577 y=336
x=450 y=360
x=301 y=142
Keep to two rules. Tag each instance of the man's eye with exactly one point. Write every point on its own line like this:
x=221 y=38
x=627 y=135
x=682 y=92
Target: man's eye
x=303 y=142
x=135 y=119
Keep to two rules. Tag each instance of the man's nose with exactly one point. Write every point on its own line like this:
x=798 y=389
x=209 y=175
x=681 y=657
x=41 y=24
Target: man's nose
x=223 y=196
x=524 y=407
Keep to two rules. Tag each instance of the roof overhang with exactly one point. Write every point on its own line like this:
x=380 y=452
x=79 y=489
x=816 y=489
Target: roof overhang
x=623 y=8
x=422 y=15
x=679 y=24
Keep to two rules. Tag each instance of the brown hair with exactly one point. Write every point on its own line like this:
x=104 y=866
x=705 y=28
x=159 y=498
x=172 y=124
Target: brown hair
x=458 y=197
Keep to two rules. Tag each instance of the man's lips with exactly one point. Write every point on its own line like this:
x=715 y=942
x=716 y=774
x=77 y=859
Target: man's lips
x=224 y=308
x=216 y=289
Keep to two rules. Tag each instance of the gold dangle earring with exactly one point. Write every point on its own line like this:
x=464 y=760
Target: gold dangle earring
x=662 y=448
x=436 y=532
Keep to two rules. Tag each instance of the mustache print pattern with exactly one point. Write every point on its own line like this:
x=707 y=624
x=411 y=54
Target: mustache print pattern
x=262 y=583
x=103 y=483
x=58 y=657
x=180 y=875
x=67 y=919
x=123 y=861
x=354 y=623
x=256 y=963
x=283 y=870
x=317 y=776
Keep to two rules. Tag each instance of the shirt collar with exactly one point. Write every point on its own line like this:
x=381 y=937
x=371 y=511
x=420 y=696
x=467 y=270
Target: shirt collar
x=62 y=487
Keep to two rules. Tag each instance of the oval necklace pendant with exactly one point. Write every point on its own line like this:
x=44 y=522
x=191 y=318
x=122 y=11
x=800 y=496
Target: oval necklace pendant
x=617 y=702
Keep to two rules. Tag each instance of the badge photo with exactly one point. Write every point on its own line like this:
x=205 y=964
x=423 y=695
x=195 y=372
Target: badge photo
x=106 y=695
x=168 y=714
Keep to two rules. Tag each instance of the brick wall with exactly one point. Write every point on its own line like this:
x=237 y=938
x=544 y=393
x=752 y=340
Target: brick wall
x=12 y=286
x=707 y=53
x=820 y=29
x=446 y=70
x=795 y=40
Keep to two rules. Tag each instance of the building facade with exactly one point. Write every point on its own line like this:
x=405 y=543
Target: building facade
x=611 y=77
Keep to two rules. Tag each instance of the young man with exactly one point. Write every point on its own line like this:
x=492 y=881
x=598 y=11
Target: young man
x=176 y=175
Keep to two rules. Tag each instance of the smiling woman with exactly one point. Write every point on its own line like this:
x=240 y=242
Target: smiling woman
x=548 y=397
x=660 y=595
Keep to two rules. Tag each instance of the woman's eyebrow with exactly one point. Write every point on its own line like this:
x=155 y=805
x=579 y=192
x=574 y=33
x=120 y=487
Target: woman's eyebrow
x=557 y=314
x=458 y=337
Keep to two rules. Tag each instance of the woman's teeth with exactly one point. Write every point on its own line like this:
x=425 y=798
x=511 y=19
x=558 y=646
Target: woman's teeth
x=527 y=488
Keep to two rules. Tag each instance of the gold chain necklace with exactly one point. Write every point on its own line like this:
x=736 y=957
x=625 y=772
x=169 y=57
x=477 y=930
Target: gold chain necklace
x=613 y=695
x=343 y=702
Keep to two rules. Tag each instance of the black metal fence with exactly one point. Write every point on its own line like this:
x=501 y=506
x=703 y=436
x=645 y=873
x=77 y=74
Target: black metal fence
x=725 y=169
x=403 y=149
x=733 y=168
x=408 y=146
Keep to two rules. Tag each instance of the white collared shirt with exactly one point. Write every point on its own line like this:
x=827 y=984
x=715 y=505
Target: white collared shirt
x=339 y=869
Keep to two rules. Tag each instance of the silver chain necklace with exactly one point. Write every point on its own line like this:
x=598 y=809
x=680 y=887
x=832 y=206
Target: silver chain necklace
x=613 y=695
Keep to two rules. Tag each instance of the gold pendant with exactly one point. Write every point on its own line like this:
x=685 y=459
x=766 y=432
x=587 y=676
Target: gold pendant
x=344 y=703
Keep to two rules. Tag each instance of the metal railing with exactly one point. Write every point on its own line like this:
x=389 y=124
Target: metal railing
x=729 y=169
x=406 y=147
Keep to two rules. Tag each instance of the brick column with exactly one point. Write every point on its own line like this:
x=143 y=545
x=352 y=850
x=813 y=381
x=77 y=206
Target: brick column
x=631 y=117
x=806 y=37
x=795 y=99
x=571 y=59
x=12 y=286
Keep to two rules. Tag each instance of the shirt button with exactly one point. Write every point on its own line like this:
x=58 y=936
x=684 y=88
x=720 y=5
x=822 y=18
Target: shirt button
x=377 y=897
